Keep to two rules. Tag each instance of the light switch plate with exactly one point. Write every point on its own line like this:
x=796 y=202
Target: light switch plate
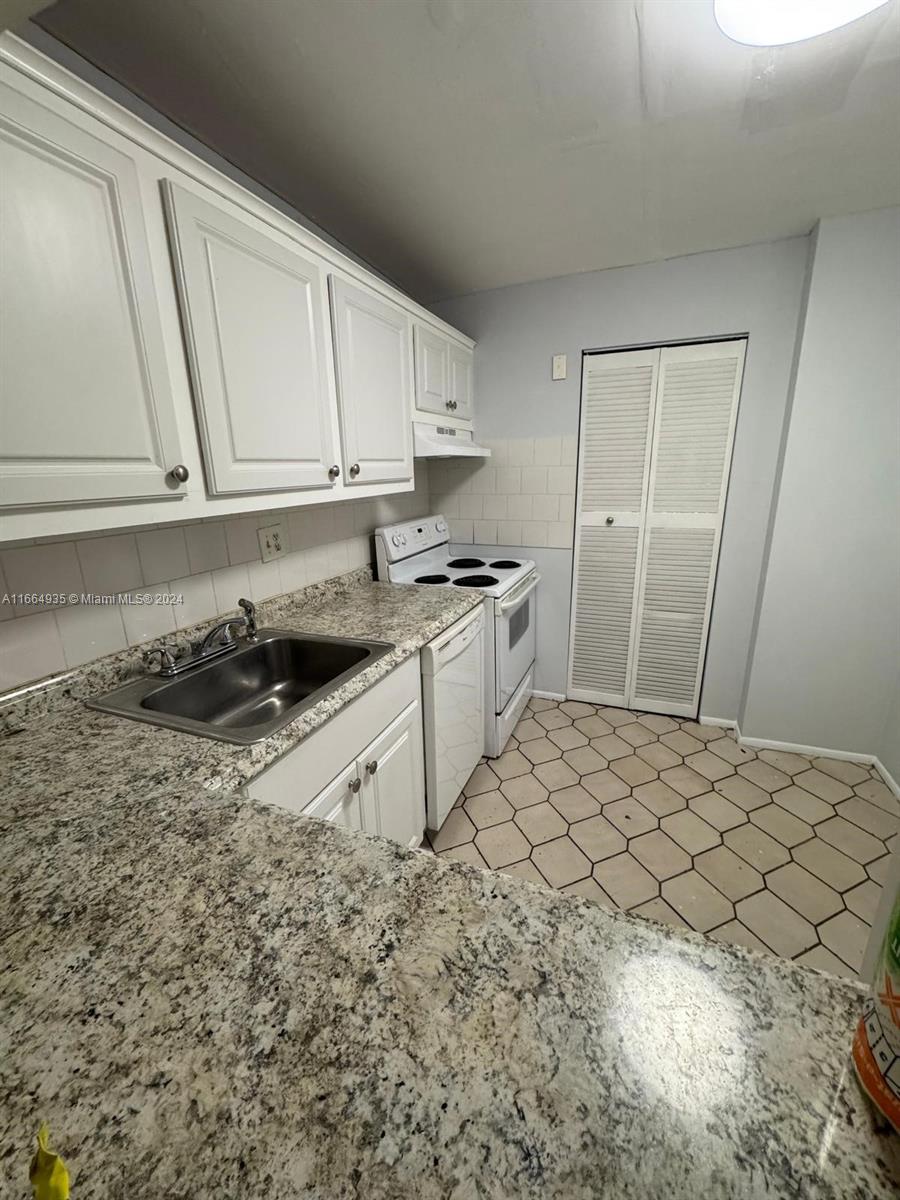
x=271 y=542
x=559 y=366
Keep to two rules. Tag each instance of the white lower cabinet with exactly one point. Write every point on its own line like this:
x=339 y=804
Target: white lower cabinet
x=381 y=789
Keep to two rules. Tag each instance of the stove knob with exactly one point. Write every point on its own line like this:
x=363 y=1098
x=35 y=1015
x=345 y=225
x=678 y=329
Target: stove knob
x=396 y=539
x=440 y=526
x=402 y=539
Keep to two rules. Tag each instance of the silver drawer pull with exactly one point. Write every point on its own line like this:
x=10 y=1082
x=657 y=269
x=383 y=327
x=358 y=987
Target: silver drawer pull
x=372 y=767
x=355 y=785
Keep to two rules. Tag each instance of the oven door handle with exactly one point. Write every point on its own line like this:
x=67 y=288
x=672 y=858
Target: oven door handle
x=515 y=598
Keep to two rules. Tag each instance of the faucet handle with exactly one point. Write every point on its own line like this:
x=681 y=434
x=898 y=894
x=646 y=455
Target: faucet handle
x=166 y=659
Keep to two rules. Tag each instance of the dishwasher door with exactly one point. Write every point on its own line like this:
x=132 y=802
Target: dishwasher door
x=453 y=700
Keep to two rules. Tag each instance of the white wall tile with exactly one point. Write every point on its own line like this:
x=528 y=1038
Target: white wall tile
x=265 y=580
x=534 y=480
x=485 y=533
x=559 y=534
x=145 y=621
x=545 y=508
x=363 y=516
x=534 y=533
x=460 y=530
x=198 y=600
x=499 y=448
x=206 y=547
x=359 y=550
x=471 y=505
x=241 y=537
x=569 y=450
x=230 y=584
x=344 y=526
x=40 y=569
x=162 y=554
x=293 y=571
x=520 y=452
x=567 y=509
x=318 y=563
x=495 y=507
x=547 y=451
x=30 y=648
x=509 y=533
x=561 y=480
x=519 y=508
x=509 y=480
x=89 y=631
x=448 y=504
x=484 y=481
x=110 y=564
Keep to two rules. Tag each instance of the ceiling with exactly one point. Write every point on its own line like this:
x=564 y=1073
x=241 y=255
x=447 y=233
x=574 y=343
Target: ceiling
x=459 y=145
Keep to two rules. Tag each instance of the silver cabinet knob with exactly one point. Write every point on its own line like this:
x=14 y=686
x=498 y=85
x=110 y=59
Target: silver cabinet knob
x=354 y=470
x=333 y=472
x=355 y=785
x=372 y=767
x=180 y=473
x=610 y=520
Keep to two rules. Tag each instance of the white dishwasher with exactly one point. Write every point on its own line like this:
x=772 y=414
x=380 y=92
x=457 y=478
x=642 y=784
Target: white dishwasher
x=453 y=700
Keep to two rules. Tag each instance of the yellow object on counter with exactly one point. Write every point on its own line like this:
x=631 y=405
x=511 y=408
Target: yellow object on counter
x=48 y=1174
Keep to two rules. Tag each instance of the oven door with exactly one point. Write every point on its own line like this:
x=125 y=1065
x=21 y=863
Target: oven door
x=514 y=638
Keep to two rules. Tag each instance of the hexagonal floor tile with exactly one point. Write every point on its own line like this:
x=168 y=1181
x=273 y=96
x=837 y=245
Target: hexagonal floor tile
x=636 y=734
x=585 y=760
x=755 y=847
x=822 y=785
x=502 y=844
x=605 y=786
x=847 y=772
x=611 y=746
x=588 y=889
x=697 y=901
x=783 y=826
x=728 y=872
x=846 y=935
x=869 y=817
x=685 y=781
x=540 y=823
x=455 y=830
x=709 y=765
x=490 y=808
x=764 y=775
x=577 y=708
x=555 y=775
x=659 y=798
x=630 y=817
x=465 y=853
x=596 y=838
x=540 y=750
x=525 y=870
x=850 y=840
x=658 y=756
x=805 y=805
x=809 y=896
x=657 y=723
x=717 y=811
x=523 y=790
x=481 y=780
x=574 y=803
x=567 y=738
x=776 y=923
x=617 y=716
x=625 y=880
x=561 y=862
x=593 y=726
x=790 y=764
x=742 y=792
x=633 y=770
x=662 y=857
x=510 y=764
x=691 y=832
x=828 y=864
x=553 y=718
x=527 y=729
x=682 y=743
x=657 y=910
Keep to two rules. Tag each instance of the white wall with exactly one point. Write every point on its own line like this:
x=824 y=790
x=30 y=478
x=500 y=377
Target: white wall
x=889 y=746
x=824 y=669
x=754 y=290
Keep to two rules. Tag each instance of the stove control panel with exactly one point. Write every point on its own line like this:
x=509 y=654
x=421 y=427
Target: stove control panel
x=396 y=542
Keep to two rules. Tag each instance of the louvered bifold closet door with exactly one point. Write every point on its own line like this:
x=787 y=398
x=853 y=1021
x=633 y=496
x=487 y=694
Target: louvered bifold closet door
x=617 y=399
x=696 y=411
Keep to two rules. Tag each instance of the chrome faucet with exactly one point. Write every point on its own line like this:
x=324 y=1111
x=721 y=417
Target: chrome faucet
x=219 y=640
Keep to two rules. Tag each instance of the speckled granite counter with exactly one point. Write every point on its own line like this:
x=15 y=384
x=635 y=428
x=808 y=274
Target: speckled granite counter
x=207 y=998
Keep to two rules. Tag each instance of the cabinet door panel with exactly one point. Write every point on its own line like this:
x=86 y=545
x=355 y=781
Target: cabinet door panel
x=85 y=401
x=432 y=371
x=461 y=364
x=254 y=327
x=371 y=340
x=337 y=802
x=393 y=779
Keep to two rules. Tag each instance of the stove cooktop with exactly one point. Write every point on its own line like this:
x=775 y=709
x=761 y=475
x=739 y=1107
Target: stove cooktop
x=479 y=581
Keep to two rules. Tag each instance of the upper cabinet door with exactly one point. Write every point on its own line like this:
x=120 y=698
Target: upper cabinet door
x=86 y=405
x=254 y=319
x=372 y=357
x=461 y=363
x=432 y=371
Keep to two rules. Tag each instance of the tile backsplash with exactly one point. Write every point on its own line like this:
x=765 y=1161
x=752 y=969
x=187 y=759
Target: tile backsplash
x=208 y=564
x=523 y=495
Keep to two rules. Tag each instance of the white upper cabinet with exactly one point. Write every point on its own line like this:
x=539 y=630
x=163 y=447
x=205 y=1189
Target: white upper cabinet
x=254 y=319
x=372 y=360
x=461 y=362
x=86 y=406
x=432 y=353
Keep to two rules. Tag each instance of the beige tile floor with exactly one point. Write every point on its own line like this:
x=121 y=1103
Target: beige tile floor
x=674 y=821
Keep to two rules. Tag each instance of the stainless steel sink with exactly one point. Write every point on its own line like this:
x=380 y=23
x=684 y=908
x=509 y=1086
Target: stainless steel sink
x=252 y=693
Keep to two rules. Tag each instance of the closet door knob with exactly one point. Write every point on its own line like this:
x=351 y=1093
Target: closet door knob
x=610 y=520
x=180 y=473
x=333 y=472
x=355 y=785
x=354 y=470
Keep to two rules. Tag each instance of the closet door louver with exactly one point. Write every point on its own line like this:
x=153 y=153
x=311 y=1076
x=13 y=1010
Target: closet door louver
x=618 y=393
x=696 y=410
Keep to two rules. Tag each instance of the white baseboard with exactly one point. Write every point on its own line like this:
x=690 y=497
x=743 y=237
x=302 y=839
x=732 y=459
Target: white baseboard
x=719 y=722
x=888 y=778
x=548 y=695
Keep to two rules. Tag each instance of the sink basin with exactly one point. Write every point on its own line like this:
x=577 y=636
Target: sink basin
x=252 y=692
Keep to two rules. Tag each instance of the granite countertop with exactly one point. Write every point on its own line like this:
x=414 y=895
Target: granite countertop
x=210 y=997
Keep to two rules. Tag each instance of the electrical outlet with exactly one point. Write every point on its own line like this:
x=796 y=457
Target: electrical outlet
x=559 y=366
x=271 y=542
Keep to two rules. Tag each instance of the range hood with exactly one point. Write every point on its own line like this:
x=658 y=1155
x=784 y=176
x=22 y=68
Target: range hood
x=443 y=441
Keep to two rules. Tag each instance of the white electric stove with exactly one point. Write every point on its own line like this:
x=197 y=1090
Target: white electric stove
x=420 y=552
